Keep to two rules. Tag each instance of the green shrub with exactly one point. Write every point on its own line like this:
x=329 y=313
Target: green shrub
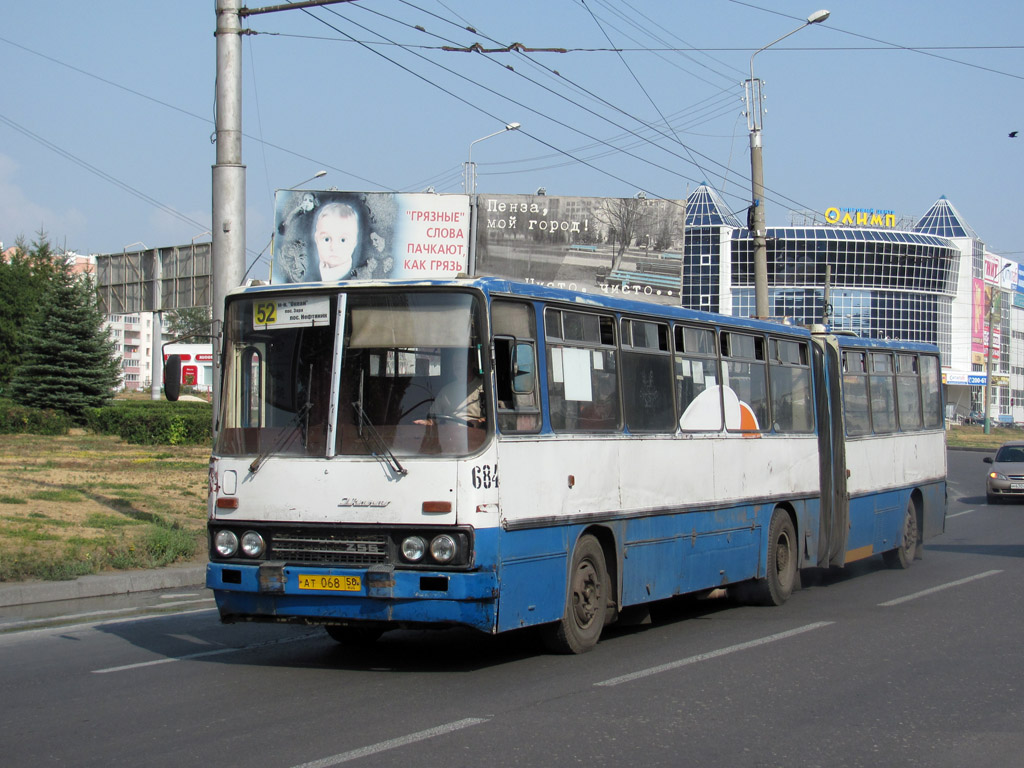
x=154 y=422
x=17 y=419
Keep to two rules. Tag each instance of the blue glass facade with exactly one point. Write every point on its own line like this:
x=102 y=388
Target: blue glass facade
x=882 y=283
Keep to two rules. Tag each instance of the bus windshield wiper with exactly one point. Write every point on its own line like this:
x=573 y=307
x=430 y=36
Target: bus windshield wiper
x=291 y=429
x=375 y=441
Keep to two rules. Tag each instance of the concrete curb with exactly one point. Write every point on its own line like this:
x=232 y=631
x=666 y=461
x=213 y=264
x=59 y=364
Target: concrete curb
x=102 y=585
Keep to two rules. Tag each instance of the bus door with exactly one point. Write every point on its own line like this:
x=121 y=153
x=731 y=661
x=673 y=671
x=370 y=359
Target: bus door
x=834 y=522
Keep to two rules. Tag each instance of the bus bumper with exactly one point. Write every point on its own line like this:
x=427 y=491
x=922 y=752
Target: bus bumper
x=270 y=592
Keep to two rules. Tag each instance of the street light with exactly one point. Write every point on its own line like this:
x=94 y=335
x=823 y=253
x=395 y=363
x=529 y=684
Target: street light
x=317 y=175
x=993 y=305
x=469 y=184
x=756 y=220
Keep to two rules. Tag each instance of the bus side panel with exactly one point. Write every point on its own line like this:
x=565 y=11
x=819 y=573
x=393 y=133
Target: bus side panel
x=534 y=564
x=884 y=470
x=674 y=554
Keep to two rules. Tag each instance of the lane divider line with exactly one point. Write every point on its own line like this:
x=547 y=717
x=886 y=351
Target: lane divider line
x=939 y=588
x=401 y=741
x=712 y=654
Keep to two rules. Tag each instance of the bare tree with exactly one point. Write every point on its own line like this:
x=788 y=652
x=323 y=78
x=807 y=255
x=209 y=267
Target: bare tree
x=622 y=216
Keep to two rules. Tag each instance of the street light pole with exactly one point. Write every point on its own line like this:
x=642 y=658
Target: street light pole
x=469 y=183
x=314 y=177
x=757 y=221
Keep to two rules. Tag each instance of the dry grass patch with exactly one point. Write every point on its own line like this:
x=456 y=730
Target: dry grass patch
x=80 y=504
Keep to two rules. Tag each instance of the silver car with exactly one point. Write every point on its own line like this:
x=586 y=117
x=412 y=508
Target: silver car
x=1006 y=477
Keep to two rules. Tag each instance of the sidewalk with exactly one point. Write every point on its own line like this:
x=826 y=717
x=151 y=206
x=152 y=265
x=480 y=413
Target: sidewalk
x=103 y=585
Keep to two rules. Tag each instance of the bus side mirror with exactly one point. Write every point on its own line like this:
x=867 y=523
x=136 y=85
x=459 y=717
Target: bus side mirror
x=172 y=377
x=523 y=368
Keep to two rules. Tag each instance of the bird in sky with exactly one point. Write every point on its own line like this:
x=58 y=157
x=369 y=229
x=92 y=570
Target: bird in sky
x=1013 y=134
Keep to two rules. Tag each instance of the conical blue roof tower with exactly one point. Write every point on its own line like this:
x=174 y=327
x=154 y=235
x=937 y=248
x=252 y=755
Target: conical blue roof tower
x=705 y=208
x=944 y=220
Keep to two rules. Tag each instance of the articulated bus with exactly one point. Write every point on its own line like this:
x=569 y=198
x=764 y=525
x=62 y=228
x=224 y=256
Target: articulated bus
x=497 y=455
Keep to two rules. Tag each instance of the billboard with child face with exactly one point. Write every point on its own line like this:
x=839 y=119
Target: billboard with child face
x=335 y=235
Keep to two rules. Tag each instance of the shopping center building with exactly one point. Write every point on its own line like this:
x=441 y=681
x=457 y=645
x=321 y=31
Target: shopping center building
x=867 y=272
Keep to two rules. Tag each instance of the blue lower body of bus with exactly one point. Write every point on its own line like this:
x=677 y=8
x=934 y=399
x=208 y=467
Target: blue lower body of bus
x=273 y=593
x=648 y=558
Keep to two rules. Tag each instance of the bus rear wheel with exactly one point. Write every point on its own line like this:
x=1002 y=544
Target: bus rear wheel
x=903 y=555
x=586 y=602
x=780 y=576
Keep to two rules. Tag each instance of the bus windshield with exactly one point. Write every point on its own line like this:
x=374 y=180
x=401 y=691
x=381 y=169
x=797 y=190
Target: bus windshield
x=405 y=375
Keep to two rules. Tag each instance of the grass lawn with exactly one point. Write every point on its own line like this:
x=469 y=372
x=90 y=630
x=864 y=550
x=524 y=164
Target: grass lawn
x=86 y=503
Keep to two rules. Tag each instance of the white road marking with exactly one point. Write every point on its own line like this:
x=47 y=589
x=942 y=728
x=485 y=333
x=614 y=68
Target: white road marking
x=939 y=588
x=202 y=654
x=401 y=741
x=713 y=654
x=965 y=512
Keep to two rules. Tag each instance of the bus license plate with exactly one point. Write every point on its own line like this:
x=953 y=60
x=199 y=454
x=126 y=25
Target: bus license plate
x=330 y=583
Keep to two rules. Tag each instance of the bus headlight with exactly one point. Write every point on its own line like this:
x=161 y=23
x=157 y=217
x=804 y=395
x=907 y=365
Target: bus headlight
x=226 y=543
x=252 y=544
x=413 y=548
x=443 y=548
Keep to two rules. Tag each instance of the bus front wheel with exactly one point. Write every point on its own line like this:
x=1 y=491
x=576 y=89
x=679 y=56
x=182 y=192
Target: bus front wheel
x=586 y=602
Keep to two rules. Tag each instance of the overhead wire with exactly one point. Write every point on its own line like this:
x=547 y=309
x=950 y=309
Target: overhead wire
x=524 y=106
x=493 y=92
x=924 y=51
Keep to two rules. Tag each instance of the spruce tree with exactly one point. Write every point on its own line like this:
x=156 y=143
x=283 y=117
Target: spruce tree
x=24 y=278
x=68 y=362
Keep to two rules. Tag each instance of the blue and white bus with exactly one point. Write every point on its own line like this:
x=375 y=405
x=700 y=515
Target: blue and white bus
x=498 y=455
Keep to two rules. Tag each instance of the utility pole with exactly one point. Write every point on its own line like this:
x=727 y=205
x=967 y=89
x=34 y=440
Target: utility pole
x=754 y=98
x=228 y=248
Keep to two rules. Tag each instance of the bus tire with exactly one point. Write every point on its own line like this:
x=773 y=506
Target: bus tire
x=354 y=637
x=586 y=601
x=780 y=571
x=903 y=555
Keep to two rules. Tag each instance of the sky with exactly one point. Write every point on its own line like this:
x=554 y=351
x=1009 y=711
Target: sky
x=107 y=108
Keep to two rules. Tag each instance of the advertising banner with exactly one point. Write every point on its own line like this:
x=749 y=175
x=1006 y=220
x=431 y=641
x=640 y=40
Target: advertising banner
x=368 y=236
x=625 y=246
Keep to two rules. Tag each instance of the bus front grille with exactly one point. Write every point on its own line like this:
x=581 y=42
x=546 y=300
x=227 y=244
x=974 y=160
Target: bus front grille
x=327 y=549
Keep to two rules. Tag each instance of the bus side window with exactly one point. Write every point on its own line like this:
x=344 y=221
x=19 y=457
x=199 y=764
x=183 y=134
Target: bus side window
x=931 y=393
x=883 y=393
x=744 y=373
x=583 y=385
x=855 y=393
x=908 y=392
x=515 y=367
x=698 y=398
x=790 y=375
x=647 y=377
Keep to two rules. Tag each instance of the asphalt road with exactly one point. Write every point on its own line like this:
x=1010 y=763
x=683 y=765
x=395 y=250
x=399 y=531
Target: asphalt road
x=861 y=667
